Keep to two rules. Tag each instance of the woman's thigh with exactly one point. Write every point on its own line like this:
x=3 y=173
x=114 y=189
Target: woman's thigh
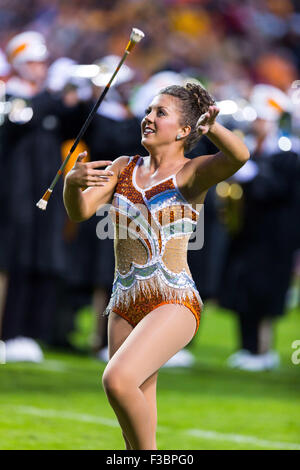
x=118 y=329
x=154 y=340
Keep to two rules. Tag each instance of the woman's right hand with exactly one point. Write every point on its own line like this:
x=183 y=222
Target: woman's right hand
x=85 y=174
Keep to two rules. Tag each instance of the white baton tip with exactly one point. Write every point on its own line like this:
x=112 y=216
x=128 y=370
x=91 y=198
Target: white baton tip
x=42 y=204
x=136 y=35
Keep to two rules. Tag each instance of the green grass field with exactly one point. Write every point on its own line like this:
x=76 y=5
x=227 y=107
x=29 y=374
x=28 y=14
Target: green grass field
x=60 y=404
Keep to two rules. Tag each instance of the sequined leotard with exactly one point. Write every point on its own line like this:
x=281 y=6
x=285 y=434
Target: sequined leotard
x=152 y=228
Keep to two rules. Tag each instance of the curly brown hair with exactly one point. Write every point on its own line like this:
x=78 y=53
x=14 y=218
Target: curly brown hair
x=195 y=100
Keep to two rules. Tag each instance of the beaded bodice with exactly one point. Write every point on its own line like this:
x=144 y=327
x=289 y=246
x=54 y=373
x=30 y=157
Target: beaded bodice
x=152 y=230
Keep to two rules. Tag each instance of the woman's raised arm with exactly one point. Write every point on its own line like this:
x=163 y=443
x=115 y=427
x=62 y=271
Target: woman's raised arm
x=211 y=169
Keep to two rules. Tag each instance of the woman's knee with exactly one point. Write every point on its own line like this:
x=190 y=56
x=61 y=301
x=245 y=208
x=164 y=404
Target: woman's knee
x=115 y=382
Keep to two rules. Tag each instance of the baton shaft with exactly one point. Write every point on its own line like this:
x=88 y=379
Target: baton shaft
x=88 y=120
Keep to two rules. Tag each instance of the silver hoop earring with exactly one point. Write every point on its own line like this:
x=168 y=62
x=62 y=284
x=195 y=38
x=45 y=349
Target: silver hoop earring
x=178 y=137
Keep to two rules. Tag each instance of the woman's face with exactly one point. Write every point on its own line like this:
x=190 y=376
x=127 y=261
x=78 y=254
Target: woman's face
x=160 y=125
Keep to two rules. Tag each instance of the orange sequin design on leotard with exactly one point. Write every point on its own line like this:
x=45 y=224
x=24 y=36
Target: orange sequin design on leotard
x=152 y=229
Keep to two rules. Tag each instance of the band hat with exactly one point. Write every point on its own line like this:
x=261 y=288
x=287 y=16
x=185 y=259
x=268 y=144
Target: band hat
x=25 y=47
x=107 y=66
x=269 y=102
x=60 y=73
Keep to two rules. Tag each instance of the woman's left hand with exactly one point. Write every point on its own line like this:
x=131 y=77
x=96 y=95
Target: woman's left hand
x=207 y=119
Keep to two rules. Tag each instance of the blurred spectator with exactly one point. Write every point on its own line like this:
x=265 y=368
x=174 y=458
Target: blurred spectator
x=26 y=53
x=35 y=252
x=261 y=204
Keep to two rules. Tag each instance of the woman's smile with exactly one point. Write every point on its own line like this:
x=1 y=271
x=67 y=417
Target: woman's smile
x=148 y=131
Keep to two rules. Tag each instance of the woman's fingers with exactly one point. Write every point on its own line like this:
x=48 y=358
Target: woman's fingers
x=98 y=178
x=207 y=118
x=81 y=156
x=98 y=163
x=215 y=111
x=212 y=112
x=100 y=172
x=96 y=183
x=98 y=175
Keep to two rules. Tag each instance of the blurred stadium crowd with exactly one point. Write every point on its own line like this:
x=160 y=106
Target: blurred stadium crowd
x=55 y=57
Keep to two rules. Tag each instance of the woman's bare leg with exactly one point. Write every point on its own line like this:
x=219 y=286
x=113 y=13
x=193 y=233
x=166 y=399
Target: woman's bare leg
x=118 y=330
x=155 y=339
x=149 y=390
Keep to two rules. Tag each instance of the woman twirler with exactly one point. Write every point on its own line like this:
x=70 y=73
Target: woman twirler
x=155 y=308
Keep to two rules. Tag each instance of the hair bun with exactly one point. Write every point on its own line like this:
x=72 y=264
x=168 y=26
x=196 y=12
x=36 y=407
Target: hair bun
x=194 y=101
x=200 y=95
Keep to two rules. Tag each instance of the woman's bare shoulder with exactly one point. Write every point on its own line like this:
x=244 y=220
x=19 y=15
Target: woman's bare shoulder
x=119 y=164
